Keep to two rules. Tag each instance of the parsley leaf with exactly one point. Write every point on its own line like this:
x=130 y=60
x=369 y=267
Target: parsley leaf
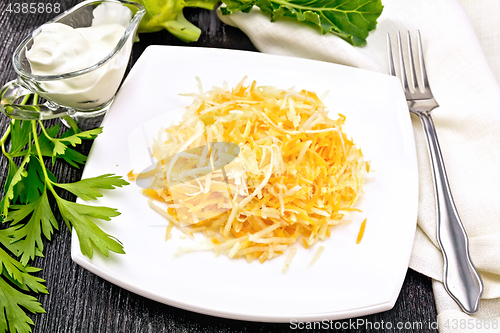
x=29 y=217
x=89 y=234
x=12 y=316
x=48 y=145
x=29 y=235
x=6 y=241
x=76 y=138
x=74 y=158
x=4 y=204
x=16 y=178
x=20 y=275
x=20 y=136
x=87 y=188
x=61 y=143
x=12 y=301
x=30 y=187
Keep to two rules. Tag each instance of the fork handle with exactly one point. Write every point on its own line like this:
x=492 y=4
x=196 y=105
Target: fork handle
x=460 y=277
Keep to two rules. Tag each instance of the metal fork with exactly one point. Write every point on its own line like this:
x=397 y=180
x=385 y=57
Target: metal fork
x=460 y=277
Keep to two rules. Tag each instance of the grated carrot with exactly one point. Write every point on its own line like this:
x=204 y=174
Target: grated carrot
x=361 y=231
x=297 y=173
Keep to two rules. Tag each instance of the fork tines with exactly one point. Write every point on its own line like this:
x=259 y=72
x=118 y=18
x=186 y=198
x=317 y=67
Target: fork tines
x=412 y=89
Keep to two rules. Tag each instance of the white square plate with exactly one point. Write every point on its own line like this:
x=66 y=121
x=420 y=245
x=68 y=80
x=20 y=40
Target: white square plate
x=348 y=280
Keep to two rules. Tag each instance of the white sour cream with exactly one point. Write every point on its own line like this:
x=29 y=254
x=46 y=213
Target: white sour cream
x=60 y=49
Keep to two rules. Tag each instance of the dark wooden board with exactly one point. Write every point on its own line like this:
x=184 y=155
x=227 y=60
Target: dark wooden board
x=79 y=301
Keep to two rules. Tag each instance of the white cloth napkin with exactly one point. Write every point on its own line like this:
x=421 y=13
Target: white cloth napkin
x=467 y=122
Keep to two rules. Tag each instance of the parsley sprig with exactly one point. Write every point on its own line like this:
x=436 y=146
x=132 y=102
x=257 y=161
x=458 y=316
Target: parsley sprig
x=27 y=217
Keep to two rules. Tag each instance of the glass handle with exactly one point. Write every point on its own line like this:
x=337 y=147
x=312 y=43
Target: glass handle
x=14 y=90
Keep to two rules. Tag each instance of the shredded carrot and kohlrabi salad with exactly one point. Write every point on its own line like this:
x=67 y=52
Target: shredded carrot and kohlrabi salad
x=295 y=175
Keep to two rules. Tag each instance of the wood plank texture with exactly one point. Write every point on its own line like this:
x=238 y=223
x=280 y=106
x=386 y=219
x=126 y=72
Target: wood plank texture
x=79 y=301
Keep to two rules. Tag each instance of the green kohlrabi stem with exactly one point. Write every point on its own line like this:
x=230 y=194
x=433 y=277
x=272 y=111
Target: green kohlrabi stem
x=7 y=133
x=2 y=141
x=72 y=123
x=47 y=182
x=45 y=131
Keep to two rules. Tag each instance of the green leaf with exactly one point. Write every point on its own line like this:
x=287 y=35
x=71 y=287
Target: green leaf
x=20 y=275
x=13 y=302
x=11 y=266
x=6 y=241
x=32 y=282
x=32 y=186
x=59 y=148
x=60 y=144
x=5 y=203
x=26 y=209
x=89 y=234
x=29 y=235
x=74 y=158
x=47 y=147
x=19 y=135
x=76 y=138
x=26 y=188
x=87 y=188
x=352 y=20
x=16 y=178
x=13 y=319
x=233 y=6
